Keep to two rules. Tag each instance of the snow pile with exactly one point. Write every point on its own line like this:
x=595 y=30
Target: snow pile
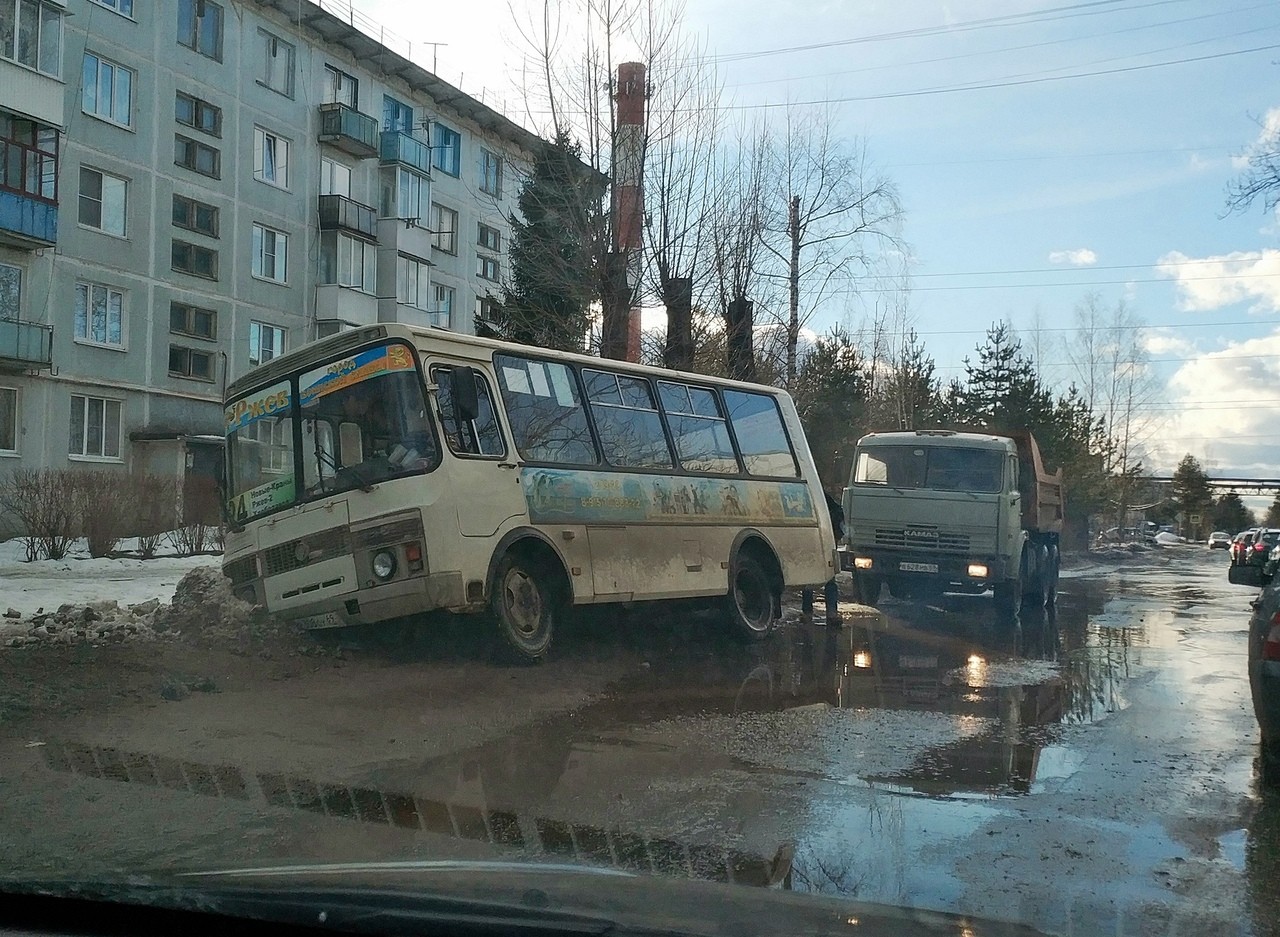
x=203 y=608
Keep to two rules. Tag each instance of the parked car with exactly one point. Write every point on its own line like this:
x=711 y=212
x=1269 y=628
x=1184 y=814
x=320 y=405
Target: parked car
x=1264 y=678
x=1240 y=543
x=1219 y=540
x=1259 y=550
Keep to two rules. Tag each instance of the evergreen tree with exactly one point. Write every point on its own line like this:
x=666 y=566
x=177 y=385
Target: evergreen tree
x=1191 y=495
x=1273 y=513
x=554 y=246
x=1230 y=514
x=1003 y=392
x=831 y=395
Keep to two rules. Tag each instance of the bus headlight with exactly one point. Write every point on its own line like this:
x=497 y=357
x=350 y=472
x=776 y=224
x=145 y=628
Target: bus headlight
x=384 y=565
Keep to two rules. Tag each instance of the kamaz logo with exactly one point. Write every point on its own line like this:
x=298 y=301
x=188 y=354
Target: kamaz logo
x=921 y=534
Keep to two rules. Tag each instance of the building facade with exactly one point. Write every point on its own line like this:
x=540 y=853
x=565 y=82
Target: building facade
x=190 y=188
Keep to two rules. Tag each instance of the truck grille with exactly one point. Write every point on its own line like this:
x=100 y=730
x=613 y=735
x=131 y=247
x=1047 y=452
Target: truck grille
x=941 y=540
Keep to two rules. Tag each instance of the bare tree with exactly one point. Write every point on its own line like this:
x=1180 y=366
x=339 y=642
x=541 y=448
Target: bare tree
x=1261 y=176
x=829 y=214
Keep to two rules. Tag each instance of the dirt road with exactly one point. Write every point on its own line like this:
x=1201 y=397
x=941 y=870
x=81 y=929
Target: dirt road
x=1090 y=771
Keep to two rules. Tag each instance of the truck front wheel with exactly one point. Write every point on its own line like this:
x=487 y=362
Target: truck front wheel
x=868 y=588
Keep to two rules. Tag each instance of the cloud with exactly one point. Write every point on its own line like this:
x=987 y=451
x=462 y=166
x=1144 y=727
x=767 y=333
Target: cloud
x=1268 y=132
x=1209 y=283
x=1081 y=257
x=1162 y=343
x=1221 y=410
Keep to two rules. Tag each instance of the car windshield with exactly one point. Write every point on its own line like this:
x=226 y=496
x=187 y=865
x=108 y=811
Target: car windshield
x=665 y=467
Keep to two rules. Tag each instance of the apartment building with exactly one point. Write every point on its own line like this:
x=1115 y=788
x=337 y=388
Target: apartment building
x=189 y=188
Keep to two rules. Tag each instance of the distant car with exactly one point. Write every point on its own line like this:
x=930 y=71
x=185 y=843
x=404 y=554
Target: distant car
x=1219 y=540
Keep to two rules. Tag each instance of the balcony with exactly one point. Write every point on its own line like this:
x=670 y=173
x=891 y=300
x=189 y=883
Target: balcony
x=33 y=94
x=337 y=212
x=25 y=345
x=27 y=222
x=348 y=130
x=401 y=147
x=346 y=305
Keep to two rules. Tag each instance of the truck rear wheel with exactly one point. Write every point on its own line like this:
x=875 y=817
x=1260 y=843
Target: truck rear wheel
x=1055 y=567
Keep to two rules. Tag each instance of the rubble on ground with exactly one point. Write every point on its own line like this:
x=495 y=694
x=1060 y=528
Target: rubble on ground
x=203 y=609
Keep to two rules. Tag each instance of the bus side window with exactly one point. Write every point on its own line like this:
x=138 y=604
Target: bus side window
x=487 y=438
x=761 y=436
x=544 y=410
x=698 y=428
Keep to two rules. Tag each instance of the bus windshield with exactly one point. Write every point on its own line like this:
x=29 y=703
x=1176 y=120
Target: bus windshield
x=359 y=420
x=942 y=468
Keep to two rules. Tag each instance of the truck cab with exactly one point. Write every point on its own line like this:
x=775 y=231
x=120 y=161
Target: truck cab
x=934 y=510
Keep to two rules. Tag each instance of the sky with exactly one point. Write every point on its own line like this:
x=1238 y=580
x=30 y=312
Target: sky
x=1043 y=150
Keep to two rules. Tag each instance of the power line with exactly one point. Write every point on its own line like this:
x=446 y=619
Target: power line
x=1069 y=156
x=1125 y=328
x=1046 y=284
x=1083 y=269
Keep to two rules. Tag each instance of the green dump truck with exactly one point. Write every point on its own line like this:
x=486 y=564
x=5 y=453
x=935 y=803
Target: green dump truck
x=935 y=511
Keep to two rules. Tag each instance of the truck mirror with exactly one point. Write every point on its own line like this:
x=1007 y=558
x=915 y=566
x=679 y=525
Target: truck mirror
x=466 y=401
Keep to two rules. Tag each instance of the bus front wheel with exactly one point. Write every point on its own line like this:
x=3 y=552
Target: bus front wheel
x=525 y=606
x=752 y=599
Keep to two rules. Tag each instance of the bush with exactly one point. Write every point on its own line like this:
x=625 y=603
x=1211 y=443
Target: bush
x=190 y=539
x=43 y=501
x=154 y=497
x=102 y=503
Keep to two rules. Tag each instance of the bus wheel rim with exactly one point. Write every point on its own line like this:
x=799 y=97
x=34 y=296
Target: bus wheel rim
x=752 y=600
x=523 y=603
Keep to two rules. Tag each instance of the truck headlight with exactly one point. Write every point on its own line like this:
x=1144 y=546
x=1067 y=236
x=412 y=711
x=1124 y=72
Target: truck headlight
x=384 y=565
x=862 y=562
x=978 y=570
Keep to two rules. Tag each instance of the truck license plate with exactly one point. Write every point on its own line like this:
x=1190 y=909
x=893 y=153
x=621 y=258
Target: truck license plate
x=323 y=620
x=918 y=567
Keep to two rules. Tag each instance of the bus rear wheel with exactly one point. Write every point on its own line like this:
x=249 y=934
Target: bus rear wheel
x=752 y=600
x=526 y=607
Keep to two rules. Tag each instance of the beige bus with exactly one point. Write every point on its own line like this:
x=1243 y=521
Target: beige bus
x=389 y=471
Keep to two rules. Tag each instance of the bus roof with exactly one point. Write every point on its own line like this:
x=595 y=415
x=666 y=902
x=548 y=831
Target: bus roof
x=939 y=438
x=465 y=345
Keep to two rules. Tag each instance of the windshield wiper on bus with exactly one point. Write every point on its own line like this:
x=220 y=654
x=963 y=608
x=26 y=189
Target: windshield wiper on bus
x=322 y=458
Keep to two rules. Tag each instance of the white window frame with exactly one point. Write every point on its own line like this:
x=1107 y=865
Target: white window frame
x=257 y=330
x=270 y=158
x=279 y=253
x=335 y=80
x=122 y=7
x=102 y=203
x=12 y=394
x=332 y=170
x=446 y=158
x=273 y=49
x=85 y=406
x=490 y=164
x=353 y=264
x=440 y=235
x=112 y=112
x=47 y=58
x=89 y=289
x=443 y=300
x=408 y=182
x=413 y=282
x=194 y=45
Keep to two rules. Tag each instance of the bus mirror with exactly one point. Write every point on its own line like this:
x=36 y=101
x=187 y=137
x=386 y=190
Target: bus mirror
x=466 y=402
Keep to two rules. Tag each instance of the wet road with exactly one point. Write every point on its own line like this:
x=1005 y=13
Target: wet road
x=1089 y=771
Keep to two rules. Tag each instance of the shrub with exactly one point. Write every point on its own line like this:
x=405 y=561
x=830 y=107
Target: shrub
x=154 y=497
x=43 y=502
x=102 y=503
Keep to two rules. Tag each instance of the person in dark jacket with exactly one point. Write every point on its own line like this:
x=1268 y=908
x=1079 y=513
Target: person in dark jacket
x=831 y=591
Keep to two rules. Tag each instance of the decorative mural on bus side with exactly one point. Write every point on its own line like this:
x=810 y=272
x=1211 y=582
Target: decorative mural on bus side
x=583 y=497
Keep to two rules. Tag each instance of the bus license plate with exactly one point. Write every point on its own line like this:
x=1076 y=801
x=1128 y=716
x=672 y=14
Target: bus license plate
x=918 y=567
x=323 y=620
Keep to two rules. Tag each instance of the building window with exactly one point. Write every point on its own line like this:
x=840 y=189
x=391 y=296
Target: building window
x=444 y=228
x=28 y=157
x=446 y=149
x=491 y=173
x=270 y=158
x=396 y=115
x=99 y=314
x=442 y=307
x=107 y=90
x=347 y=261
x=190 y=320
x=190 y=363
x=123 y=7
x=200 y=27
x=10 y=291
x=31 y=34
x=8 y=420
x=490 y=238
x=335 y=177
x=486 y=309
x=95 y=427
x=405 y=193
x=194 y=259
x=277 y=69
x=196 y=156
x=265 y=342
x=193 y=215
x=270 y=253
x=412 y=280
x=104 y=201
x=487 y=268
x=340 y=88
x=197 y=114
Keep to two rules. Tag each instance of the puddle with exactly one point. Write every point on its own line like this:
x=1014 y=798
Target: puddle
x=1231 y=847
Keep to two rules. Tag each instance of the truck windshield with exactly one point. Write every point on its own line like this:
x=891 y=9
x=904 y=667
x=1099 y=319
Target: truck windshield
x=361 y=420
x=942 y=468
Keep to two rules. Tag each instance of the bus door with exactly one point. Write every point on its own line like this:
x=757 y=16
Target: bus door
x=486 y=480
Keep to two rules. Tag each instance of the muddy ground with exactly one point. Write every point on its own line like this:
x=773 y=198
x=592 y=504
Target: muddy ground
x=1088 y=771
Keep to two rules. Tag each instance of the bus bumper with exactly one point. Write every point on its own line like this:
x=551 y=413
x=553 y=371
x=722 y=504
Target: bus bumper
x=380 y=603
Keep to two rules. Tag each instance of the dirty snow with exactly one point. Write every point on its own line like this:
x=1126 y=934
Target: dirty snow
x=80 y=579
